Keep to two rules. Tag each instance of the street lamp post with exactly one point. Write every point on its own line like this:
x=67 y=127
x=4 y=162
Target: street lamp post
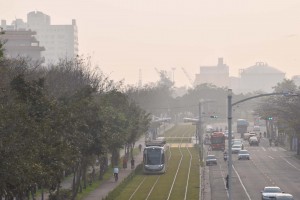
x=200 y=135
x=200 y=127
x=230 y=105
x=229 y=143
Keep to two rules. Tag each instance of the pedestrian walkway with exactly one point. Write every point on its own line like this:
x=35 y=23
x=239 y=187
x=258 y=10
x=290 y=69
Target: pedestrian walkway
x=205 y=181
x=110 y=184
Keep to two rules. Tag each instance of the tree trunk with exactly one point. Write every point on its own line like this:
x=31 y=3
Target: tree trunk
x=103 y=166
x=298 y=145
x=74 y=180
x=131 y=151
x=42 y=193
x=77 y=181
x=115 y=157
x=84 y=172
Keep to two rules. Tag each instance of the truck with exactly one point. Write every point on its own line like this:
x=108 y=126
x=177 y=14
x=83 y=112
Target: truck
x=217 y=141
x=242 y=126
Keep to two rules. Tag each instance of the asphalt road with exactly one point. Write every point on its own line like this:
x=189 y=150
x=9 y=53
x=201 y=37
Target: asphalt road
x=268 y=166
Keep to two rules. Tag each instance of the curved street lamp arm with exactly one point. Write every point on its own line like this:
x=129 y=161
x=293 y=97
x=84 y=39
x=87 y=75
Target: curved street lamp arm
x=262 y=95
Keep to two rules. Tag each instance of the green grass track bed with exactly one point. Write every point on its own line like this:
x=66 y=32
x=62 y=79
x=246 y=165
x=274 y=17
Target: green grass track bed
x=163 y=186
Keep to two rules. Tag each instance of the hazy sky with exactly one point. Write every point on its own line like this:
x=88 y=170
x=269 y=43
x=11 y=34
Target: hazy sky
x=123 y=36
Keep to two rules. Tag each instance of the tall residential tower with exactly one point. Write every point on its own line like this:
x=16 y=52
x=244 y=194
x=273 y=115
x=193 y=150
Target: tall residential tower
x=60 y=41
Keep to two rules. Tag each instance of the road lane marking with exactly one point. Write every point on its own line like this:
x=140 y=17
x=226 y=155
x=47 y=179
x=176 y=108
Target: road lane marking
x=223 y=177
x=263 y=148
x=273 y=149
x=241 y=183
x=290 y=164
x=271 y=157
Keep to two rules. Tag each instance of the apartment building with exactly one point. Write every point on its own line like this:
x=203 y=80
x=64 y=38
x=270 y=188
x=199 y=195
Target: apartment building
x=60 y=41
x=217 y=75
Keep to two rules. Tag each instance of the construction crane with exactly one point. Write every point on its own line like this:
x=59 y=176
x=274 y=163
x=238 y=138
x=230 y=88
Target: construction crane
x=188 y=76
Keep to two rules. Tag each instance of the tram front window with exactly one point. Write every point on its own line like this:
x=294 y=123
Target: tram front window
x=154 y=157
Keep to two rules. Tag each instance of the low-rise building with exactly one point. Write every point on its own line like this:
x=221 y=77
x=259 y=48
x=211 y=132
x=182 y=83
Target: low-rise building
x=21 y=43
x=259 y=77
x=217 y=75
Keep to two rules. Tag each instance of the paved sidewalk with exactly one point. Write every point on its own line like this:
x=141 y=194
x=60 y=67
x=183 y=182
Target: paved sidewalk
x=109 y=185
x=205 y=182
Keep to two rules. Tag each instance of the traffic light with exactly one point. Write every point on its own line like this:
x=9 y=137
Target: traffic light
x=270 y=118
x=213 y=116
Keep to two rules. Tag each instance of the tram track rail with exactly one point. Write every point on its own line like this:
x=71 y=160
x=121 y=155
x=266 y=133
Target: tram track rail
x=189 y=172
x=171 y=189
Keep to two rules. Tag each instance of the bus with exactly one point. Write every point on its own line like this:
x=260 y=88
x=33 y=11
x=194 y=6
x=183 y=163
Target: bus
x=155 y=158
x=217 y=141
x=242 y=126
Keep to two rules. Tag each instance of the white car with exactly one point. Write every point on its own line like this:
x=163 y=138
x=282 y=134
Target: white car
x=236 y=148
x=243 y=155
x=270 y=192
x=237 y=141
x=211 y=160
x=253 y=141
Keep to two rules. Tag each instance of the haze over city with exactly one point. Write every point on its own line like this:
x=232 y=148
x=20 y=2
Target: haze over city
x=125 y=37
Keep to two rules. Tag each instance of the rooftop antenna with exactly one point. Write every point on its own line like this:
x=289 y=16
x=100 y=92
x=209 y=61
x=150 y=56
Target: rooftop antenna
x=16 y=25
x=173 y=69
x=140 y=78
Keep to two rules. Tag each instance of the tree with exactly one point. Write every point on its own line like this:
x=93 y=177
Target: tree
x=1 y=45
x=284 y=110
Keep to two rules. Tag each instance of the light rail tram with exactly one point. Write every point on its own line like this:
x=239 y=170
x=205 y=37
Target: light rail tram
x=155 y=157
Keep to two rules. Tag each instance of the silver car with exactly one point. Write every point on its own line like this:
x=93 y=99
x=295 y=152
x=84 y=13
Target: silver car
x=270 y=192
x=236 y=148
x=284 y=196
x=211 y=160
x=243 y=155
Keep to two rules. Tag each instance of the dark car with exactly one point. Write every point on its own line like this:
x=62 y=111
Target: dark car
x=211 y=160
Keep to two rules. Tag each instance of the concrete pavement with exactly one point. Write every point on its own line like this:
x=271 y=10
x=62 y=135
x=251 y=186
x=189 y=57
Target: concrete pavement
x=109 y=185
